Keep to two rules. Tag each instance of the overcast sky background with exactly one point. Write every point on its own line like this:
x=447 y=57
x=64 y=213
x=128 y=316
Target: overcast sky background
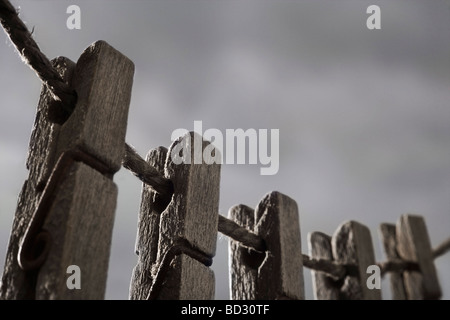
x=364 y=115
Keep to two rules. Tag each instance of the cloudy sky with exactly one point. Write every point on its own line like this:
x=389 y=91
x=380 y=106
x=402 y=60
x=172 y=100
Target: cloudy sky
x=363 y=115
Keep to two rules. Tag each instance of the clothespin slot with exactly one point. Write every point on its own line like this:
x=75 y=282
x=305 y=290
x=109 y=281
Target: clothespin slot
x=278 y=272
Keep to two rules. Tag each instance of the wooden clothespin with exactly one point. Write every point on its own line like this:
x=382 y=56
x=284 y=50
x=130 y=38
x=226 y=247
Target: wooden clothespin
x=324 y=287
x=413 y=244
x=148 y=231
x=276 y=273
x=352 y=246
x=388 y=237
x=349 y=247
x=176 y=241
x=66 y=209
x=17 y=284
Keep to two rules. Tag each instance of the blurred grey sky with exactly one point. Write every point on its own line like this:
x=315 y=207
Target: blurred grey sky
x=363 y=114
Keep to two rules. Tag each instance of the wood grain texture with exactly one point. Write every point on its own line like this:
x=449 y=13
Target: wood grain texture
x=193 y=212
x=413 y=244
x=244 y=262
x=80 y=223
x=191 y=215
x=188 y=279
x=103 y=81
x=148 y=231
x=324 y=288
x=352 y=245
x=16 y=284
x=47 y=145
x=280 y=275
x=389 y=240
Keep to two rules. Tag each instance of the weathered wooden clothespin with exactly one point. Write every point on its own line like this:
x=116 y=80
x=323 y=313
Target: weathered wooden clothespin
x=413 y=244
x=66 y=208
x=148 y=231
x=276 y=273
x=388 y=237
x=351 y=248
x=17 y=284
x=324 y=287
x=176 y=241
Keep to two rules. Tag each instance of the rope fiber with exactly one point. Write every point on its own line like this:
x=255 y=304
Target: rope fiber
x=65 y=97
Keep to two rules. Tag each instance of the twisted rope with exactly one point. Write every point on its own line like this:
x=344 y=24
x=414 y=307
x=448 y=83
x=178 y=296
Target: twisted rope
x=146 y=173
x=64 y=96
x=240 y=234
x=28 y=49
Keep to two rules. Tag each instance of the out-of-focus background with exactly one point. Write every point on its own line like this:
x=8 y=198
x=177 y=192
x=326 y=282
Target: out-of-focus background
x=364 y=115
